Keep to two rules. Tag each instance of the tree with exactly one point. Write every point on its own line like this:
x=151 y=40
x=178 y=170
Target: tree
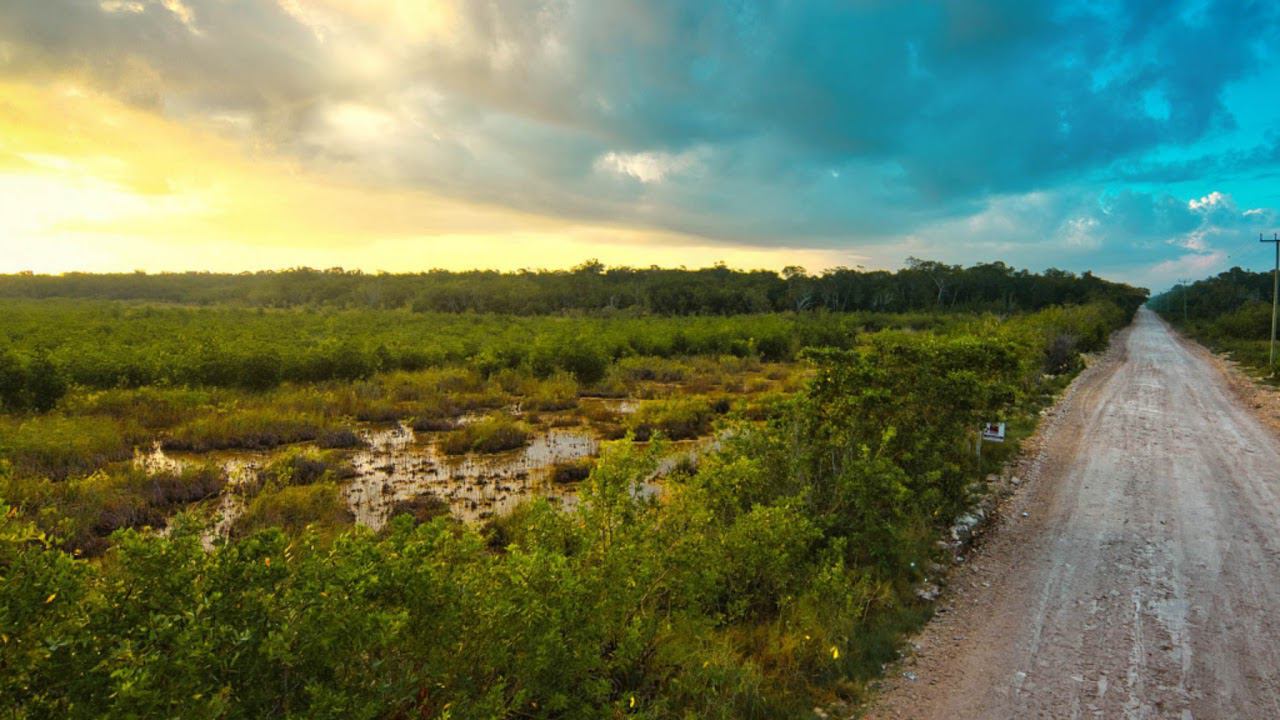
x=45 y=383
x=13 y=380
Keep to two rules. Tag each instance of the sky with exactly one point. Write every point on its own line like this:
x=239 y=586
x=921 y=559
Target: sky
x=1139 y=139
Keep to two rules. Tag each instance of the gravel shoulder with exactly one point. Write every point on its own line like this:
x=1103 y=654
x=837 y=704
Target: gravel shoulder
x=1136 y=571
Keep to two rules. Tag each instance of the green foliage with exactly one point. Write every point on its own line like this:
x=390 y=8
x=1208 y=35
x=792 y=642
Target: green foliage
x=1251 y=321
x=914 y=400
x=1230 y=312
x=583 y=360
x=777 y=568
x=558 y=392
x=32 y=383
x=1212 y=298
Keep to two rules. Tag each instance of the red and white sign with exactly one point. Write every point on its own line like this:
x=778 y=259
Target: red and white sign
x=993 y=432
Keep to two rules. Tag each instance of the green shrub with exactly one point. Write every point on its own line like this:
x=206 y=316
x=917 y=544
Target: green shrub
x=652 y=369
x=31 y=383
x=764 y=559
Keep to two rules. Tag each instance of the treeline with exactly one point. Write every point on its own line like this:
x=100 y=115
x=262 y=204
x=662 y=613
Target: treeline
x=1215 y=298
x=777 y=571
x=1230 y=312
x=592 y=287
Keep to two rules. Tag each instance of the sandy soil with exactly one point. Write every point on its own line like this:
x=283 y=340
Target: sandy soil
x=1143 y=580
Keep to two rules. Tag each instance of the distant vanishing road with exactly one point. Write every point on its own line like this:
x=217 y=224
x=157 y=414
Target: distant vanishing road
x=1145 y=580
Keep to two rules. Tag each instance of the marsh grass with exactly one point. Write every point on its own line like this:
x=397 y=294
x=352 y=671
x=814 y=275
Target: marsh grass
x=152 y=408
x=558 y=392
x=422 y=508
x=302 y=466
x=82 y=512
x=250 y=429
x=675 y=418
x=59 y=446
x=572 y=471
x=294 y=508
x=494 y=433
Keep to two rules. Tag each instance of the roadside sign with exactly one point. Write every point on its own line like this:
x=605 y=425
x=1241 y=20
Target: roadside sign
x=993 y=432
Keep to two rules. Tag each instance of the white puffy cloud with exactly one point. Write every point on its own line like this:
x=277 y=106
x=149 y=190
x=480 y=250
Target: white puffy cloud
x=648 y=167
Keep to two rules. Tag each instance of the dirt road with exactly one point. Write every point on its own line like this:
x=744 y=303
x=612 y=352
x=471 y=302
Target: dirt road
x=1144 y=581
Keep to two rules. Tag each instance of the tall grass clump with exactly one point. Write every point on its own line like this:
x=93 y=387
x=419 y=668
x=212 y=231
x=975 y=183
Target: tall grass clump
x=675 y=418
x=494 y=433
x=294 y=508
x=58 y=446
x=251 y=429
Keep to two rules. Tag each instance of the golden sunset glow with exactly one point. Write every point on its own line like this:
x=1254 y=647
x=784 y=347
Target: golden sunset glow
x=90 y=183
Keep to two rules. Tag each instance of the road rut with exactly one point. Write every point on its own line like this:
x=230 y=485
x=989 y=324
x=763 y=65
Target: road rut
x=1145 y=579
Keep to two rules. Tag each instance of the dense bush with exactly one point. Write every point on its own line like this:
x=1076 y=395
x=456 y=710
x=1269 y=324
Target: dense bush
x=106 y=345
x=253 y=331
x=33 y=383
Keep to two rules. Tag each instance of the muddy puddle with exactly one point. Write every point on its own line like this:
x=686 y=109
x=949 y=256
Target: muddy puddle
x=399 y=465
x=396 y=466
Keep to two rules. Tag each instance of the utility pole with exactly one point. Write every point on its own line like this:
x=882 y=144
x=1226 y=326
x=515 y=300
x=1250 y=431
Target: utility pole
x=1184 y=282
x=1275 y=297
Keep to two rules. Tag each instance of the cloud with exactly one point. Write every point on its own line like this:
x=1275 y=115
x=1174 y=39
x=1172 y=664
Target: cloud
x=648 y=167
x=1036 y=129
x=1148 y=238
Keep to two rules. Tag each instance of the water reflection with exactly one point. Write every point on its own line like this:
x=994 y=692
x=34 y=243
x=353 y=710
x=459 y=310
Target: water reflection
x=396 y=467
